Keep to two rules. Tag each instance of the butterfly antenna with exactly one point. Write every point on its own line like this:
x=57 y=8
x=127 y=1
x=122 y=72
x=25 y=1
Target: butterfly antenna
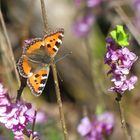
x=65 y=55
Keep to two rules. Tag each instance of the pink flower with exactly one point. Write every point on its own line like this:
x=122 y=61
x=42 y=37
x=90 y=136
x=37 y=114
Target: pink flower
x=120 y=61
x=93 y=3
x=14 y=116
x=85 y=126
x=97 y=127
x=83 y=25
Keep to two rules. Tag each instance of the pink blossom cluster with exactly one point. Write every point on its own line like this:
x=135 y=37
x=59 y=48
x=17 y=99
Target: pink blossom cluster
x=85 y=21
x=99 y=127
x=120 y=60
x=14 y=116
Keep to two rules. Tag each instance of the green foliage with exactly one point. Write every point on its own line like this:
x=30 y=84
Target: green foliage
x=99 y=109
x=49 y=131
x=120 y=36
x=96 y=42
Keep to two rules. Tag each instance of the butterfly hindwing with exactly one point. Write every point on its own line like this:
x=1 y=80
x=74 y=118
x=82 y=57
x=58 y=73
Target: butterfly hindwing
x=24 y=67
x=53 y=41
x=38 y=81
x=27 y=66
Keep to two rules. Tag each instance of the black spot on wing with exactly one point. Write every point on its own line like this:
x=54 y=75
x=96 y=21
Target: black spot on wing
x=48 y=45
x=60 y=37
x=37 y=75
x=54 y=50
x=40 y=88
x=43 y=81
x=57 y=44
x=44 y=75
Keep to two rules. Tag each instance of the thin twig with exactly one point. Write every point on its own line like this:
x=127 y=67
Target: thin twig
x=9 y=46
x=57 y=89
x=34 y=121
x=28 y=19
x=22 y=86
x=59 y=101
x=6 y=70
x=128 y=22
x=44 y=15
x=122 y=117
x=33 y=126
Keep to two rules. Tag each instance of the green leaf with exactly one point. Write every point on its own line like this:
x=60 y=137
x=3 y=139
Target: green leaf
x=99 y=110
x=119 y=35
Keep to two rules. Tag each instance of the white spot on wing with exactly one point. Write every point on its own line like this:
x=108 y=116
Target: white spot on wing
x=44 y=77
x=61 y=35
x=59 y=41
x=55 y=48
x=40 y=91
x=41 y=85
x=30 y=74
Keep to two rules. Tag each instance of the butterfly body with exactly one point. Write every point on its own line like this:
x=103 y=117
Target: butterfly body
x=34 y=64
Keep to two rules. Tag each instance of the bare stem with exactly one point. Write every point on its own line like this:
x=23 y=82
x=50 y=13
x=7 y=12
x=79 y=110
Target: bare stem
x=20 y=90
x=9 y=46
x=122 y=117
x=44 y=15
x=59 y=101
x=28 y=19
x=57 y=89
x=34 y=121
x=33 y=126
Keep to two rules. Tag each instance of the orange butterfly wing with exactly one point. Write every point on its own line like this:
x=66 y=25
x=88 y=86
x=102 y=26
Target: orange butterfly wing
x=34 y=45
x=38 y=81
x=24 y=67
x=49 y=46
x=53 y=41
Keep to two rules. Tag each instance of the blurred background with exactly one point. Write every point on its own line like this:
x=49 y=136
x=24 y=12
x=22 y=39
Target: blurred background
x=82 y=76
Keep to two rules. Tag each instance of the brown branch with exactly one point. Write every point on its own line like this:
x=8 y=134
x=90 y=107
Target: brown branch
x=44 y=15
x=122 y=117
x=28 y=19
x=33 y=126
x=21 y=88
x=9 y=46
x=57 y=89
x=34 y=121
x=59 y=101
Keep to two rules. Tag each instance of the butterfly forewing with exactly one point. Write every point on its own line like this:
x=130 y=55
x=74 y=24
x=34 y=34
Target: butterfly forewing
x=32 y=46
x=53 y=41
x=38 y=81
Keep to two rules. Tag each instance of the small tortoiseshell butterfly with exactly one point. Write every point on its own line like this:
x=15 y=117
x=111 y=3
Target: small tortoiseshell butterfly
x=34 y=64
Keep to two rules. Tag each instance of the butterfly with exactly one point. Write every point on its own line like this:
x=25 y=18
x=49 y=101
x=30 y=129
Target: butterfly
x=34 y=63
